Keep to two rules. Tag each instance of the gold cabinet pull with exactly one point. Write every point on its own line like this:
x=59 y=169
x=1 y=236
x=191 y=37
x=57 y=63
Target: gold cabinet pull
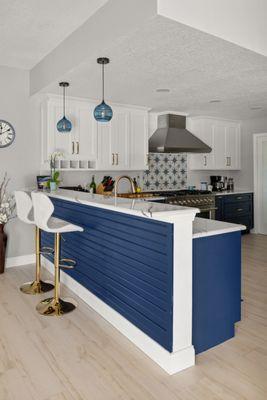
x=72 y=147
x=239 y=198
x=113 y=159
x=77 y=148
x=117 y=158
x=240 y=209
x=205 y=161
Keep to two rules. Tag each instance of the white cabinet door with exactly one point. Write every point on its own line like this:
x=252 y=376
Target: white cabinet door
x=105 y=156
x=85 y=139
x=219 y=145
x=138 y=140
x=120 y=139
x=58 y=141
x=203 y=130
x=232 y=147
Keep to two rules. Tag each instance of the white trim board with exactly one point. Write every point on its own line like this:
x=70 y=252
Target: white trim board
x=170 y=362
x=257 y=181
x=20 y=260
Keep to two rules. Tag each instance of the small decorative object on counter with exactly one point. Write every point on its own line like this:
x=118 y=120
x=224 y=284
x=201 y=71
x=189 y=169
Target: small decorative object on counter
x=230 y=184
x=203 y=185
x=7 y=208
x=93 y=185
x=106 y=186
x=54 y=180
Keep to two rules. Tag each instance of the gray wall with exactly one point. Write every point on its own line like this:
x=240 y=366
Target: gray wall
x=21 y=159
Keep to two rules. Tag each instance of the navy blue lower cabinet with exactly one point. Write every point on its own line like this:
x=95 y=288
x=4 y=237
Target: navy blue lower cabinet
x=216 y=289
x=126 y=261
x=236 y=208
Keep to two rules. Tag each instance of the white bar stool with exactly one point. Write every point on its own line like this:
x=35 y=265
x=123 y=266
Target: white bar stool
x=43 y=210
x=25 y=214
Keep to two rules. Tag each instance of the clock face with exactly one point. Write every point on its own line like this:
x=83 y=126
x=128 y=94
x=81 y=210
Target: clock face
x=7 y=134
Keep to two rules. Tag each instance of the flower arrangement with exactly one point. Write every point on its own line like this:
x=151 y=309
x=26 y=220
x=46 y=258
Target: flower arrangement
x=7 y=202
x=54 y=180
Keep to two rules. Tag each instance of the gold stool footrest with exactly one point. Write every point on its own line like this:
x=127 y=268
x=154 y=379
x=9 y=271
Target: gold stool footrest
x=47 y=250
x=50 y=307
x=67 y=263
x=36 y=287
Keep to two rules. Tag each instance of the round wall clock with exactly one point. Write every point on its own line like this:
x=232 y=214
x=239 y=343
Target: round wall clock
x=7 y=133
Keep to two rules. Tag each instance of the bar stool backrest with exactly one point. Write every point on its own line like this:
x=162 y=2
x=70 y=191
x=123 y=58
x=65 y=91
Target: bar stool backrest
x=24 y=207
x=43 y=209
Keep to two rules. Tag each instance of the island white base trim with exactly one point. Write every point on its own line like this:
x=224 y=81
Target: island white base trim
x=170 y=362
x=20 y=260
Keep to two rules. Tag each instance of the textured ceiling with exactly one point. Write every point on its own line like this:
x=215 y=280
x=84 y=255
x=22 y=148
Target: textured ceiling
x=30 y=29
x=195 y=66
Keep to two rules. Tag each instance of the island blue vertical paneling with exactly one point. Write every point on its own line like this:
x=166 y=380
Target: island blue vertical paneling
x=216 y=289
x=126 y=261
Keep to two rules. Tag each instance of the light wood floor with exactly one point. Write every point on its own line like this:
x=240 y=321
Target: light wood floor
x=82 y=357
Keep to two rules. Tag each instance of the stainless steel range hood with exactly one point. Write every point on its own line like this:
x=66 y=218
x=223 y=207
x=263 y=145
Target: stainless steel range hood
x=173 y=137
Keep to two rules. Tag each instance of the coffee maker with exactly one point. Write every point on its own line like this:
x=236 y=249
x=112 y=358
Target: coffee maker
x=218 y=183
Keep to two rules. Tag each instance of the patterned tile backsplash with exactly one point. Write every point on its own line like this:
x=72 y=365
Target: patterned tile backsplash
x=166 y=172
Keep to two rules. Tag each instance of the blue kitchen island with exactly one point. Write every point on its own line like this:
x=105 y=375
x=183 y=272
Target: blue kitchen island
x=141 y=266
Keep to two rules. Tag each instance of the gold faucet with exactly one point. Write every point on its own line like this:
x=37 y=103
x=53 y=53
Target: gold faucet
x=117 y=183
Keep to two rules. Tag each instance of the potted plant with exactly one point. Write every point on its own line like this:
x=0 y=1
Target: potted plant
x=7 y=207
x=54 y=180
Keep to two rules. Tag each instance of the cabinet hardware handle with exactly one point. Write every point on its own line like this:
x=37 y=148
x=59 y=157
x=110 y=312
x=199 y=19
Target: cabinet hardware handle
x=117 y=155
x=230 y=161
x=78 y=147
x=113 y=159
x=240 y=209
x=239 y=198
x=72 y=147
x=227 y=162
x=205 y=161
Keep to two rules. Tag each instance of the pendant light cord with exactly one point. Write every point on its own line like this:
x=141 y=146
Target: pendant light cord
x=103 y=82
x=64 y=101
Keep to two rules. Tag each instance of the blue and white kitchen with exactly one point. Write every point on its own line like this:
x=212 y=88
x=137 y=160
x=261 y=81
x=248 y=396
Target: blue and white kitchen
x=133 y=217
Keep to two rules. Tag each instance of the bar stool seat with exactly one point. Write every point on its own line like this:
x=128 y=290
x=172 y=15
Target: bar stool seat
x=25 y=214
x=43 y=210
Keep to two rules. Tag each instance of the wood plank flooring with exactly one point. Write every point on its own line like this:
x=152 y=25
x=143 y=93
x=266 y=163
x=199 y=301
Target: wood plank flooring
x=82 y=357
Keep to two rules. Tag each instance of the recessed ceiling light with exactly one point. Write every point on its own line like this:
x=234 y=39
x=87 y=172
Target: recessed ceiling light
x=215 y=101
x=255 y=107
x=163 y=90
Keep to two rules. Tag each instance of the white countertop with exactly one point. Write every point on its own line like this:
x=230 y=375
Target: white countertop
x=237 y=191
x=138 y=207
x=208 y=227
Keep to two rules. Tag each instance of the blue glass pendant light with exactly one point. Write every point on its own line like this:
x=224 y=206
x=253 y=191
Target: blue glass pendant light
x=103 y=112
x=64 y=125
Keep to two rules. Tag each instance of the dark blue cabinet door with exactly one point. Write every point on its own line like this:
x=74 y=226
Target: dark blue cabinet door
x=236 y=209
x=216 y=289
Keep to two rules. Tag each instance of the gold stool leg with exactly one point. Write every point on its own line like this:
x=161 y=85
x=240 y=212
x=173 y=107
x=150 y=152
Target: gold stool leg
x=37 y=286
x=55 y=306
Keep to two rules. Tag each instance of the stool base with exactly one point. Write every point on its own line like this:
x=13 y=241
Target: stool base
x=36 y=287
x=50 y=307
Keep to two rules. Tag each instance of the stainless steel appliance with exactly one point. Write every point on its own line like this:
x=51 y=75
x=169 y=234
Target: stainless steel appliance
x=218 y=183
x=202 y=199
x=171 y=136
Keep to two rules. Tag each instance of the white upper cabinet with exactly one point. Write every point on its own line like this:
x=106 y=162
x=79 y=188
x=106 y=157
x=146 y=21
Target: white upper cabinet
x=223 y=137
x=113 y=142
x=138 y=152
x=202 y=160
x=120 y=144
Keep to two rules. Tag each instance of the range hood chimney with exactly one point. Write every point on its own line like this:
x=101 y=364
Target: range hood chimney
x=172 y=137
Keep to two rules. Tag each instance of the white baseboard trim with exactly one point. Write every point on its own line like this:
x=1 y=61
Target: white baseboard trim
x=170 y=362
x=20 y=260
